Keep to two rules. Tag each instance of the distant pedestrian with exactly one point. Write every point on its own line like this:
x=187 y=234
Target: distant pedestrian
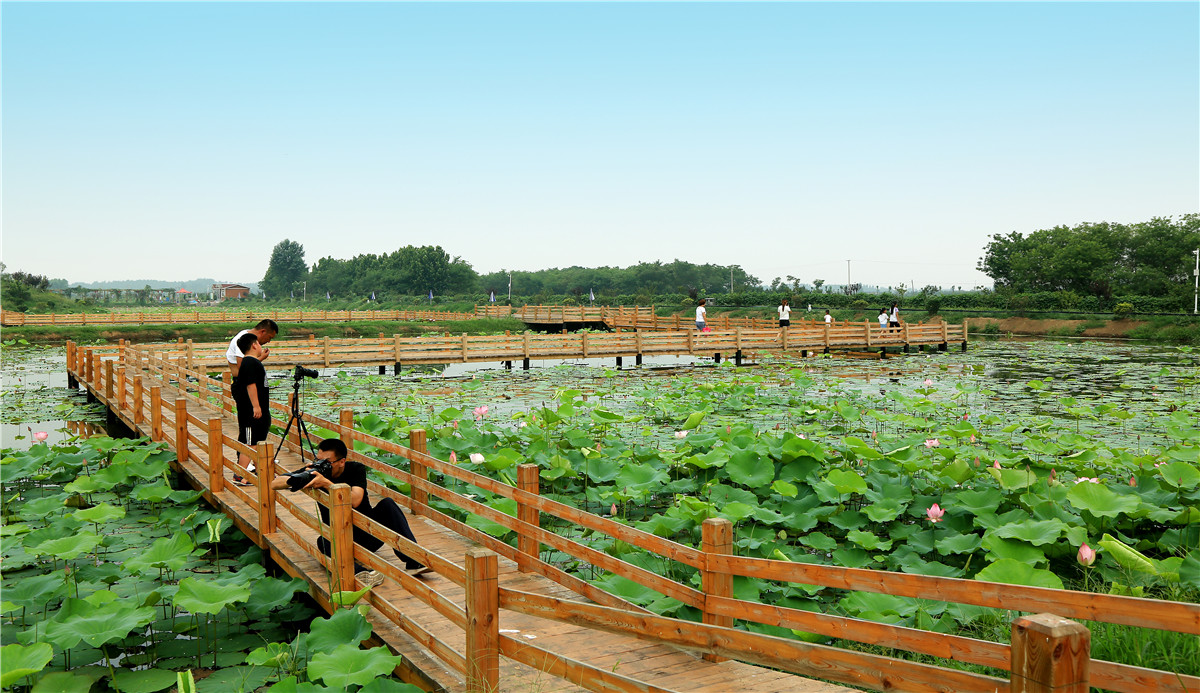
x=700 y=314
x=785 y=312
x=883 y=318
x=894 y=319
x=828 y=317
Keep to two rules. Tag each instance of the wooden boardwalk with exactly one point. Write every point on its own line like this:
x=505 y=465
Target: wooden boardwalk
x=496 y=617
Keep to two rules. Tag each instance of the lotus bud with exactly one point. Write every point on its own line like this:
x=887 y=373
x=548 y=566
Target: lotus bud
x=41 y=436
x=613 y=512
x=453 y=457
x=477 y=457
x=1086 y=555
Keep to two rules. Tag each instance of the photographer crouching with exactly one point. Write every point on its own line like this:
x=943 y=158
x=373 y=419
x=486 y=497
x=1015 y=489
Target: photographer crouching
x=331 y=468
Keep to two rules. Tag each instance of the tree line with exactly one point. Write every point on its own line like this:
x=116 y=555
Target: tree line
x=420 y=270
x=1152 y=258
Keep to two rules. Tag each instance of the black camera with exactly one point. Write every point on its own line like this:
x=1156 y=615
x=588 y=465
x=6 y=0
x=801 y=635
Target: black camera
x=302 y=372
x=300 y=478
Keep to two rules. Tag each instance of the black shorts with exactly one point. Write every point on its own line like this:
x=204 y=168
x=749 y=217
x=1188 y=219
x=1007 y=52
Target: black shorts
x=252 y=431
x=893 y=324
x=785 y=323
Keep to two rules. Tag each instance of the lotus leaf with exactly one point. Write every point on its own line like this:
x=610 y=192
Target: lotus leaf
x=693 y=420
x=389 y=686
x=819 y=541
x=100 y=513
x=208 y=597
x=74 y=681
x=845 y=481
x=79 y=620
x=155 y=493
x=735 y=512
x=507 y=506
x=641 y=476
x=21 y=661
x=1036 y=533
x=144 y=680
x=70 y=547
x=1013 y=479
x=1013 y=572
x=1180 y=475
x=884 y=510
x=959 y=543
x=783 y=488
x=270 y=593
x=344 y=626
x=1101 y=501
x=1024 y=552
x=750 y=467
x=235 y=680
x=1189 y=570
x=1129 y=557
x=166 y=553
x=852 y=557
x=868 y=540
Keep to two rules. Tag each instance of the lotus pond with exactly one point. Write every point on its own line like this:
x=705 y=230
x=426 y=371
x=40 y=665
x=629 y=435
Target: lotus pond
x=1000 y=463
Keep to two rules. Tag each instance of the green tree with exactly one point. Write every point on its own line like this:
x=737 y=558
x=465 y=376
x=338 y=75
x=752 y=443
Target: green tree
x=285 y=270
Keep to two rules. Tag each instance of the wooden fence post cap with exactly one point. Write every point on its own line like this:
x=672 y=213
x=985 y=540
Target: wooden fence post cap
x=479 y=552
x=715 y=522
x=1049 y=625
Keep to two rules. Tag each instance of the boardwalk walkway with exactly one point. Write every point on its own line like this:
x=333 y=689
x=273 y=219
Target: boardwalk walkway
x=496 y=617
x=415 y=617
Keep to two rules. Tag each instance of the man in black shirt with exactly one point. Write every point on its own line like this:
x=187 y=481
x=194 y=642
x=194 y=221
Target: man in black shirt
x=386 y=512
x=252 y=398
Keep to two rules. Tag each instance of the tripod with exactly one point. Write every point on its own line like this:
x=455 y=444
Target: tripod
x=298 y=419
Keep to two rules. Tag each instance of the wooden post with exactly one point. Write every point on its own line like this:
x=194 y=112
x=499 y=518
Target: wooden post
x=120 y=388
x=867 y=332
x=325 y=351
x=416 y=442
x=346 y=420
x=109 y=382
x=264 y=467
x=137 y=398
x=341 y=535
x=227 y=391
x=826 y=338
x=584 y=343
x=527 y=480
x=191 y=354
x=181 y=429
x=716 y=538
x=216 y=456
x=156 y=412
x=483 y=622
x=1049 y=655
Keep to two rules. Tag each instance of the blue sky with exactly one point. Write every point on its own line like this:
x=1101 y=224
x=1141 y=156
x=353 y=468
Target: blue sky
x=180 y=140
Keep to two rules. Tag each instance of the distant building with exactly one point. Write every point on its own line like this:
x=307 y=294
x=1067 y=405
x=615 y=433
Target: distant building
x=223 y=291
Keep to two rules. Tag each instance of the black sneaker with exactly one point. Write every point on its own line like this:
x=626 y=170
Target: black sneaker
x=240 y=481
x=417 y=570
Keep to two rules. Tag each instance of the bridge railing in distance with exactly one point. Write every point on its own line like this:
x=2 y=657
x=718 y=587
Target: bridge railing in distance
x=1046 y=651
x=248 y=317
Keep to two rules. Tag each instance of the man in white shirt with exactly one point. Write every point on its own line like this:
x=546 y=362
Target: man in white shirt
x=265 y=330
x=828 y=318
x=785 y=313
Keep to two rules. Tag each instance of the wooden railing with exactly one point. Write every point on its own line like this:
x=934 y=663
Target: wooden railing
x=1046 y=651
x=444 y=348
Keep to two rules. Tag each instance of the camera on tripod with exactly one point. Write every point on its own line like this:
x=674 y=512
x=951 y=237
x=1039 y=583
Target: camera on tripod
x=299 y=479
x=302 y=372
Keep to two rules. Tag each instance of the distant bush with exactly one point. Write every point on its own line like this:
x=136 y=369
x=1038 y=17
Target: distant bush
x=1123 y=310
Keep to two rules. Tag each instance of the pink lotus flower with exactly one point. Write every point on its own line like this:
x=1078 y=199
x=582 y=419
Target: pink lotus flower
x=480 y=412
x=613 y=512
x=681 y=434
x=477 y=457
x=976 y=461
x=453 y=457
x=996 y=464
x=802 y=437
x=928 y=382
x=932 y=443
x=1053 y=474
x=935 y=513
x=966 y=416
x=728 y=430
x=972 y=439
x=1086 y=555
x=1133 y=481
x=454 y=423
x=1094 y=480
x=41 y=436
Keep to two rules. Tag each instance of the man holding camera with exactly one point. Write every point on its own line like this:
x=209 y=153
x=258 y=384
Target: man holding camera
x=331 y=468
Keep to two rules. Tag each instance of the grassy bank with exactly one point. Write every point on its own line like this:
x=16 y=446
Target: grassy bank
x=57 y=334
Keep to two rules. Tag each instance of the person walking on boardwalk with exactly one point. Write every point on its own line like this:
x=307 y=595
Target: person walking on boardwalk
x=265 y=331
x=883 y=318
x=386 y=512
x=700 y=314
x=828 y=317
x=252 y=399
x=785 y=312
x=894 y=318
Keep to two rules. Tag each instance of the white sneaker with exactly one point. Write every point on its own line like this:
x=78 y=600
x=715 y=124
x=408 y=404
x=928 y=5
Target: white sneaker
x=369 y=578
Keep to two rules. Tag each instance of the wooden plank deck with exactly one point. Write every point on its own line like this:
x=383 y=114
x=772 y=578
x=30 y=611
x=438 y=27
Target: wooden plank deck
x=402 y=620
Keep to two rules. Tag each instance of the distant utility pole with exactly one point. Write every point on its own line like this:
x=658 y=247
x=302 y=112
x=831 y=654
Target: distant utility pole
x=304 y=294
x=847 y=273
x=731 y=279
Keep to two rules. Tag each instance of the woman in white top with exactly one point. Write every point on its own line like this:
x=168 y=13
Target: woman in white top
x=785 y=312
x=828 y=318
x=700 y=313
x=895 y=317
